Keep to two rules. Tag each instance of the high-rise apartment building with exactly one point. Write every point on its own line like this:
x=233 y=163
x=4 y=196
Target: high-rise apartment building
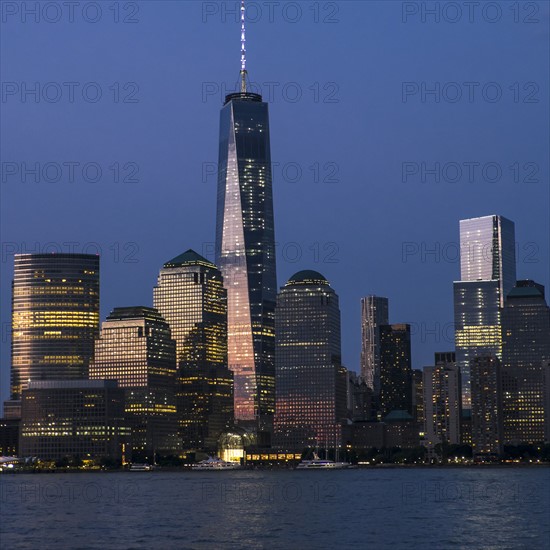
x=487 y=425
x=374 y=313
x=395 y=369
x=442 y=401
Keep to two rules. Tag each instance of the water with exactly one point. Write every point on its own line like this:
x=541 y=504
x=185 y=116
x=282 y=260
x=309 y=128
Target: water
x=470 y=508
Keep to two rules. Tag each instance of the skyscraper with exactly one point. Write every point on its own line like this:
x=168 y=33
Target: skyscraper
x=136 y=349
x=487 y=274
x=487 y=426
x=191 y=297
x=374 y=312
x=311 y=383
x=245 y=250
x=525 y=326
x=442 y=401
x=395 y=369
x=418 y=398
x=525 y=349
x=55 y=317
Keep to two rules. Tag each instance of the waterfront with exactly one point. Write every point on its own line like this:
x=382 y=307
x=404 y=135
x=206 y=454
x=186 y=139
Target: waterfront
x=492 y=507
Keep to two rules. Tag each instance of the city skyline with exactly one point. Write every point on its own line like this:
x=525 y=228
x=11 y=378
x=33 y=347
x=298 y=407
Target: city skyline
x=259 y=238
x=317 y=242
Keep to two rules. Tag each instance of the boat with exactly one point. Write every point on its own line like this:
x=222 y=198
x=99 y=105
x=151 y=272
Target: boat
x=140 y=467
x=215 y=463
x=321 y=464
x=317 y=463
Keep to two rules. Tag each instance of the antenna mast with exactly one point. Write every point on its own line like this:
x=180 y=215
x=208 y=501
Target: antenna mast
x=243 y=50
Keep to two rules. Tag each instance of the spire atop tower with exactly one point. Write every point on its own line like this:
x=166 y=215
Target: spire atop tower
x=243 y=49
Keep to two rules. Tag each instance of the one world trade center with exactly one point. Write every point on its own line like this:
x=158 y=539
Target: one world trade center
x=245 y=250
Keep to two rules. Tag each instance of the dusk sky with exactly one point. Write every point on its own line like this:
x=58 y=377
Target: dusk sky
x=344 y=82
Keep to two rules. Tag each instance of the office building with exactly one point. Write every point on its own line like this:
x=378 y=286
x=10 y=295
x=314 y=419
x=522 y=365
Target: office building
x=487 y=274
x=74 y=419
x=55 y=318
x=135 y=348
x=311 y=383
x=191 y=297
x=245 y=253
x=525 y=348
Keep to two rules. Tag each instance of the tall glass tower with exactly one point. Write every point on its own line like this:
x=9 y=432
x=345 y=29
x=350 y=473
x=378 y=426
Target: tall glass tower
x=487 y=274
x=245 y=250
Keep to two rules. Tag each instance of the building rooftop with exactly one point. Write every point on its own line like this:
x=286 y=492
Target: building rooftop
x=524 y=292
x=396 y=416
x=189 y=257
x=71 y=384
x=307 y=276
x=527 y=289
x=134 y=312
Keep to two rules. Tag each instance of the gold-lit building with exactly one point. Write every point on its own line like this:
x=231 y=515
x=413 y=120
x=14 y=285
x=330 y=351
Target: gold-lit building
x=55 y=317
x=191 y=296
x=136 y=349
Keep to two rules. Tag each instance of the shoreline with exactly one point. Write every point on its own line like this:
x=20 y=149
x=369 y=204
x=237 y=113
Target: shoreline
x=279 y=469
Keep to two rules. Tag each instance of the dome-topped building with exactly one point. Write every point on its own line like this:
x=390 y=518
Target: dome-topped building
x=307 y=276
x=311 y=382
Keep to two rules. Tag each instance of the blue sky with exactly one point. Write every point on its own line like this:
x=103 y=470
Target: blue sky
x=355 y=134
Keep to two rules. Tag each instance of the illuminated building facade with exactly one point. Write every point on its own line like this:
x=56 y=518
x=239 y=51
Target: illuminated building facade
x=525 y=349
x=525 y=326
x=395 y=369
x=487 y=274
x=191 y=297
x=487 y=425
x=55 y=317
x=136 y=349
x=245 y=253
x=442 y=401
x=374 y=313
x=311 y=383
x=418 y=396
x=81 y=419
